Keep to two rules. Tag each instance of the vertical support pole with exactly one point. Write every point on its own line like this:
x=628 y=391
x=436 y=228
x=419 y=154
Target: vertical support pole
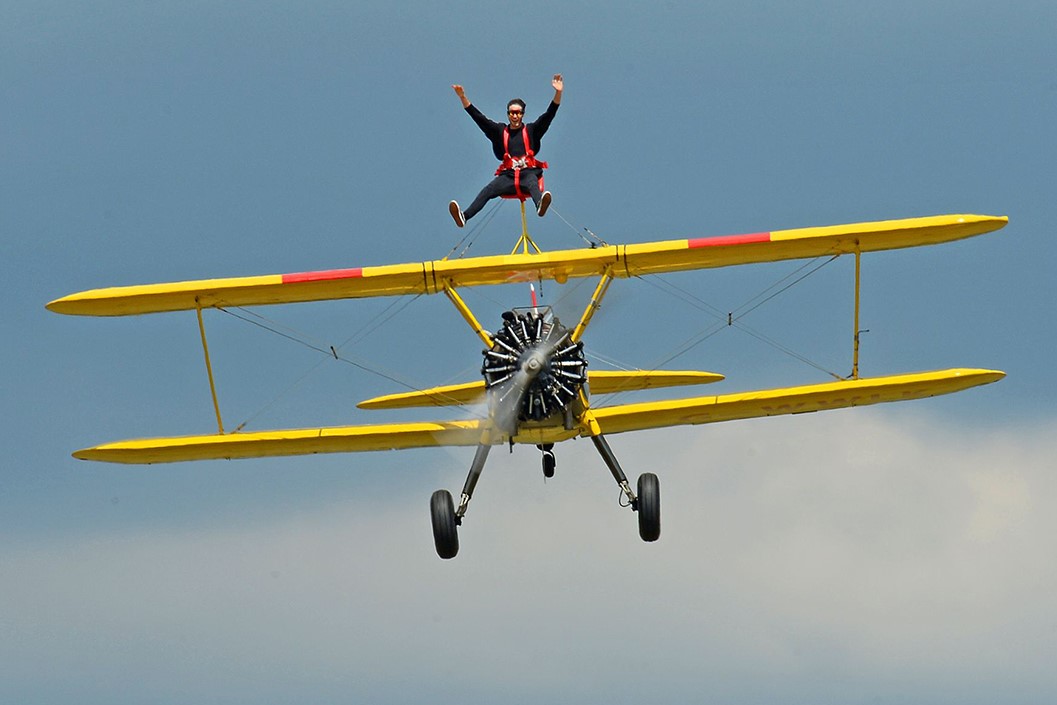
x=209 y=367
x=525 y=241
x=524 y=227
x=855 y=343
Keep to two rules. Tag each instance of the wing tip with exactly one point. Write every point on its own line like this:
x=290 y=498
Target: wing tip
x=983 y=375
x=85 y=303
x=996 y=221
x=93 y=453
x=61 y=305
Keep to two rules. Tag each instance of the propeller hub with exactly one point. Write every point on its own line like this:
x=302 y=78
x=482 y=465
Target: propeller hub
x=534 y=363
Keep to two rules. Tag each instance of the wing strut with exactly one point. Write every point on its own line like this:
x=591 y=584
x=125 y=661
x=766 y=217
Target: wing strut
x=467 y=314
x=594 y=305
x=855 y=342
x=209 y=366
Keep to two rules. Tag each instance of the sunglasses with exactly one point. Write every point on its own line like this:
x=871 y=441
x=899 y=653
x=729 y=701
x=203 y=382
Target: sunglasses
x=515 y=112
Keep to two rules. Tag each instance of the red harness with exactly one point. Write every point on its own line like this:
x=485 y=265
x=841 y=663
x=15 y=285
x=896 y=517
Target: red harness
x=528 y=161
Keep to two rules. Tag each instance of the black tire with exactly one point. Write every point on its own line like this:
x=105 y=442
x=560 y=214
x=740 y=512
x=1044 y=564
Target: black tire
x=649 y=507
x=445 y=531
x=548 y=463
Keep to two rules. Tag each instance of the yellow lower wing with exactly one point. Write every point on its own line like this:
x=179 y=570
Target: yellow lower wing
x=269 y=444
x=790 y=400
x=611 y=382
x=448 y=395
x=600 y=382
x=617 y=419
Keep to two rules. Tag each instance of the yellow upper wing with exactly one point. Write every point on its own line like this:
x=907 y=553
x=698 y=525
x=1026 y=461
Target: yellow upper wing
x=433 y=276
x=617 y=419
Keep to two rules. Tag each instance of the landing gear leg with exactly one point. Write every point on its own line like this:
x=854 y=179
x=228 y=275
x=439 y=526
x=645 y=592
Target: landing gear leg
x=647 y=503
x=614 y=467
x=471 y=480
x=445 y=517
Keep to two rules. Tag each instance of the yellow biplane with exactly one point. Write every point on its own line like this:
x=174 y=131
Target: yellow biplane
x=535 y=376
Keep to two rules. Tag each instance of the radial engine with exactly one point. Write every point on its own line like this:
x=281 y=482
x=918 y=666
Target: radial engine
x=533 y=367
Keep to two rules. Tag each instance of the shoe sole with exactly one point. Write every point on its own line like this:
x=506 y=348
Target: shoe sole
x=545 y=203
x=456 y=214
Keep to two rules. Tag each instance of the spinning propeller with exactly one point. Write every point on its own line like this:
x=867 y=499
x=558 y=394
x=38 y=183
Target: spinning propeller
x=532 y=369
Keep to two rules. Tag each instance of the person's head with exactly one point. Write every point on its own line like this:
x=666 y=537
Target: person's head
x=515 y=112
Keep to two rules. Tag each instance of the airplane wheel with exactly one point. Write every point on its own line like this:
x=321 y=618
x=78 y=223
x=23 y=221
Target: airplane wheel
x=548 y=463
x=445 y=532
x=649 y=507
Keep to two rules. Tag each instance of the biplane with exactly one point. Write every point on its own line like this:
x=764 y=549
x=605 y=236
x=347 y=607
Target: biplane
x=535 y=376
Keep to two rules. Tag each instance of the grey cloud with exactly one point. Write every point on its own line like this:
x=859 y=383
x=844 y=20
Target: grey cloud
x=807 y=558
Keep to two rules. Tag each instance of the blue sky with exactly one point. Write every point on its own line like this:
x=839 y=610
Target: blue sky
x=887 y=555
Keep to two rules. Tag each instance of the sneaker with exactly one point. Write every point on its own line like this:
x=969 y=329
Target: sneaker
x=456 y=214
x=545 y=203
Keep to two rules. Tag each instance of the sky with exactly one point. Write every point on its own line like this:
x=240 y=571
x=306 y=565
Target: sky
x=888 y=554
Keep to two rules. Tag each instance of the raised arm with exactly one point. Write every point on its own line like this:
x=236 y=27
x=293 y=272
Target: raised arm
x=462 y=95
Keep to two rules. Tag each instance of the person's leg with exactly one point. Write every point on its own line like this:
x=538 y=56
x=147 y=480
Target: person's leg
x=530 y=181
x=501 y=185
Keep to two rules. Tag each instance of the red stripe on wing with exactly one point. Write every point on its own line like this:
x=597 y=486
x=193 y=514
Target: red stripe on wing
x=728 y=240
x=327 y=275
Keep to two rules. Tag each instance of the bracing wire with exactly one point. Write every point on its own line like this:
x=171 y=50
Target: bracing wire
x=788 y=351
x=743 y=311
x=329 y=351
x=590 y=243
x=282 y=393
x=607 y=360
x=292 y=334
x=474 y=232
x=733 y=318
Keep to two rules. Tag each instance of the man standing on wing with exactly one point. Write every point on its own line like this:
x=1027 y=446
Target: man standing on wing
x=516 y=145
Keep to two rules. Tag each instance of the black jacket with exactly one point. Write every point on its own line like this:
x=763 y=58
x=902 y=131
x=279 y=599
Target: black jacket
x=494 y=131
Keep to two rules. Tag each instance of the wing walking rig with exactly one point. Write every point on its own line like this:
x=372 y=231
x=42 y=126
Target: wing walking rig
x=534 y=371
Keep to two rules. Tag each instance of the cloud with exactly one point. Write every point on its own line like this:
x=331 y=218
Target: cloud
x=825 y=557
